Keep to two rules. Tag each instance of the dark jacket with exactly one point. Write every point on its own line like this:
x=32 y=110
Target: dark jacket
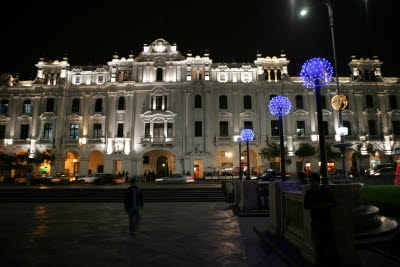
x=129 y=197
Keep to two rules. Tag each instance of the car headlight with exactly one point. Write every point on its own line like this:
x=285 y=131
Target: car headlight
x=159 y=180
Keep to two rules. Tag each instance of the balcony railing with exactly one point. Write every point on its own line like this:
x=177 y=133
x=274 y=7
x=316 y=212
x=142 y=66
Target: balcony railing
x=158 y=140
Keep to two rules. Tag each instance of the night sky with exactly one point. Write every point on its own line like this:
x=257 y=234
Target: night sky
x=231 y=32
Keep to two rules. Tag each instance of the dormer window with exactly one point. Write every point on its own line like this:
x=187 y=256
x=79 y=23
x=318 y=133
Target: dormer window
x=222 y=77
x=77 y=80
x=246 y=77
x=100 y=79
x=121 y=103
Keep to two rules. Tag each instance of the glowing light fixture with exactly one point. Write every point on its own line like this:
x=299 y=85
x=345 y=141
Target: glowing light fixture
x=316 y=70
x=279 y=106
x=247 y=135
x=303 y=12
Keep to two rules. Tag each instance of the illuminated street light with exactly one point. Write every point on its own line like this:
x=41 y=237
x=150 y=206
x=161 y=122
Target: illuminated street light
x=303 y=12
x=247 y=135
x=317 y=72
x=280 y=106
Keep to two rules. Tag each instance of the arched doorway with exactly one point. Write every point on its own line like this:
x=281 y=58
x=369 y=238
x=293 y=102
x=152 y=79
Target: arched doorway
x=224 y=161
x=154 y=160
x=72 y=162
x=162 y=167
x=96 y=162
x=255 y=161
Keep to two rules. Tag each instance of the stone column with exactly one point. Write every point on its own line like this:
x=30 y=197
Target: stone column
x=209 y=112
x=384 y=107
x=236 y=100
x=189 y=123
x=86 y=115
x=359 y=119
x=110 y=122
x=83 y=167
x=61 y=123
x=35 y=118
x=276 y=75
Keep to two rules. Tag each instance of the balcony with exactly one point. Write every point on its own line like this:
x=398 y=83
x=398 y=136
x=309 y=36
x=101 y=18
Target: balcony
x=96 y=141
x=229 y=140
x=163 y=141
x=70 y=142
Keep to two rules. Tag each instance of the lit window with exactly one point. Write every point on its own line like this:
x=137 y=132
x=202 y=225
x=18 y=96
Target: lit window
x=48 y=131
x=73 y=131
x=100 y=79
x=301 y=128
x=96 y=131
x=77 y=80
x=27 y=107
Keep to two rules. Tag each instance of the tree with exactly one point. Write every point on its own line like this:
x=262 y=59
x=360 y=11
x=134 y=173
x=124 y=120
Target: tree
x=272 y=150
x=330 y=153
x=305 y=150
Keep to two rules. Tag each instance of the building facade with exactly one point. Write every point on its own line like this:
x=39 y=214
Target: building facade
x=171 y=113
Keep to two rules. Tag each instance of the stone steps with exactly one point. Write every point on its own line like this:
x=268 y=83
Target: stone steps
x=112 y=195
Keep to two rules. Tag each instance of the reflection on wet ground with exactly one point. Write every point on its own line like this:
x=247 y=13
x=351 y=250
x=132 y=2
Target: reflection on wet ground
x=96 y=234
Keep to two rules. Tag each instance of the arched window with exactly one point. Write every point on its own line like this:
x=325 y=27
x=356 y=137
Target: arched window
x=121 y=103
x=50 y=105
x=27 y=107
x=159 y=75
x=223 y=102
x=98 y=107
x=299 y=102
x=370 y=103
x=75 y=105
x=197 y=101
x=247 y=102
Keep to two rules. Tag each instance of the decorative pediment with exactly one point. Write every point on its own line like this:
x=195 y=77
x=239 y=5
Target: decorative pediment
x=48 y=116
x=326 y=113
x=300 y=113
x=159 y=62
x=347 y=113
x=224 y=114
x=97 y=117
x=248 y=114
x=158 y=90
x=100 y=70
x=150 y=114
x=74 y=117
x=394 y=113
x=24 y=118
x=4 y=118
x=77 y=70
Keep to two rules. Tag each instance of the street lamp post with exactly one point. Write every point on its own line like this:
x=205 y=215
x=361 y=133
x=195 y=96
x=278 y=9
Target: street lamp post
x=280 y=106
x=247 y=135
x=239 y=140
x=315 y=73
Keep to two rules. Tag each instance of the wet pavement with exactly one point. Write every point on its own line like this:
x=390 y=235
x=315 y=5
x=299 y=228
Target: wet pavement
x=96 y=234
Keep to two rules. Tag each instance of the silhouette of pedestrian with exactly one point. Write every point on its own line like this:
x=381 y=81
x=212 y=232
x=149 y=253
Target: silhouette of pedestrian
x=153 y=176
x=126 y=176
x=319 y=200
x=133 y=202
x=123 y=175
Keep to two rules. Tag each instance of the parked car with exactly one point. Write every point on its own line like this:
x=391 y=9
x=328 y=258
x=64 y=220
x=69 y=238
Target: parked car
x=372 y=171
x=44 y=180
x=20 y=180
x=106 y=178
x=385 y=171
x=90 y=178
x=176 y=178
x=60 y=178
x=266 y=176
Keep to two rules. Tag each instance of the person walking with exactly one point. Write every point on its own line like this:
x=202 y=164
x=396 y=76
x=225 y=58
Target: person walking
x=133 y=202
x=126 y=176
x=122 y=175
x=319 y=200
x=153 y=176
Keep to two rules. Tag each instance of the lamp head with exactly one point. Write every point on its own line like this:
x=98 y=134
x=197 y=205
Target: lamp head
x=247 y=135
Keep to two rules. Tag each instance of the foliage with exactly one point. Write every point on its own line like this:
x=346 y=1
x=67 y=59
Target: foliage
x=306 y=150
x=357 y=154
x=24 y=162
x=273 y=150
x=330 y=153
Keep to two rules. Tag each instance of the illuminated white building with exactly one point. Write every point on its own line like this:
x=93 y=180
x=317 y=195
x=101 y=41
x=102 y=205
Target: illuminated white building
x=168 y=112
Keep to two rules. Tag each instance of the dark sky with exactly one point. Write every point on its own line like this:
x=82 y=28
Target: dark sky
x=231 y=31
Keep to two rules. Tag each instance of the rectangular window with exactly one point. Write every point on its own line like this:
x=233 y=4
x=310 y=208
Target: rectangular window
x=146 y=159
x=98 y=107
x=77 y=79
x=97 y=131
x=393 y=101
x=158 y=102
x=4 y=107
x=100 y=79
x=165 y=102
x=158 y=130
x=396 y=127
x=223 y=102
x=326 y=128
x=2 y=132
x=27 y=107
x=75 y=105
x=301 y=128
x=372 y=127
x=348 y=125
x=198 y=128
x=247 y=102
x=120 y=130
x=73 y=131
x=169 y=129
x=147 y=130
x=48 y=131
x=223 y=128
x=24 y=131
x=275 y=127
x=248 y=125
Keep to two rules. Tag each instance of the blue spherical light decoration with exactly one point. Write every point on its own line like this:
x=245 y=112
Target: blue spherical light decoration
x=247 y=135
x=316 y=69
x=279 y=106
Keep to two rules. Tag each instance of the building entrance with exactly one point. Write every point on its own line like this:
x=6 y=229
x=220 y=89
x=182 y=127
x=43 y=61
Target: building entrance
x=162 y=167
